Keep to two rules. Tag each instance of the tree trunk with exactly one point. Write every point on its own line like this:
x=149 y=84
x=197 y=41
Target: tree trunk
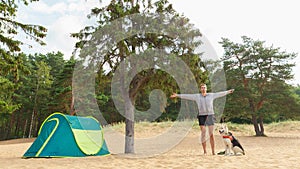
x=17 y=126
x=255 y=124
x=129 y=131
x=261 y=125
x=25 y=127
x=37 y=123
x=72 y=109
x=259 y=128
x=129 y=114
x=31 y=124
x=11 y=125
x=34 y=110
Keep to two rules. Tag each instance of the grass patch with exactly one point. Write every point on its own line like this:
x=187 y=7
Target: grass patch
x=144 y=128
x=284 y=126
x=241 y=129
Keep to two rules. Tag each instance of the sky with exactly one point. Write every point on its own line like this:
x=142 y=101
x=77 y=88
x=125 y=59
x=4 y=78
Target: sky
x=274 y=21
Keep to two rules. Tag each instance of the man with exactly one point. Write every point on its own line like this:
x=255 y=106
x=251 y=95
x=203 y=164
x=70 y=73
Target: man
x=206 y=113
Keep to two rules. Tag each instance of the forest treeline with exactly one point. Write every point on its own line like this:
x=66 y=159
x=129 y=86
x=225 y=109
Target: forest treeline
x=33 y=86
x=42 y=84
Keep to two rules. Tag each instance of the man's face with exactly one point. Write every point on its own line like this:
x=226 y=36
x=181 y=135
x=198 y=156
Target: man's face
x=203 y=89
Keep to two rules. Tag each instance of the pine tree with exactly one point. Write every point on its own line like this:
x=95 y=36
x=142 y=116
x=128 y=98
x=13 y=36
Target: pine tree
x=176 y=38
x=259 y=74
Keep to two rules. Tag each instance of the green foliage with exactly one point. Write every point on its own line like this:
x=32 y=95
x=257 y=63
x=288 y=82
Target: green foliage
x=6 y=93
x=140 y=45
x=42 y=88
x=9 y=27
x=12 y=64
x=121 y=44
x=259 y=74
x=34 y=86
x=61 y=90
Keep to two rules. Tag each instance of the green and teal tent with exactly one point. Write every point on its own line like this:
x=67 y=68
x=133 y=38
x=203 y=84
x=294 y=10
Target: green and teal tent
x=68 y=136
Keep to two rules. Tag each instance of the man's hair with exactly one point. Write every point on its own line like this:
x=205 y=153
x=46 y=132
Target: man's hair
x=202 y=84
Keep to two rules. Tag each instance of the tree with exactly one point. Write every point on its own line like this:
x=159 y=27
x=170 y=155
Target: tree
x=297 y=90
x=41 y=91
x=258 y=73
x=62 y=87
x=6 y=93
x=50 y=97
x=10 y=62
x=9 y=27
x=121 y=54
x=10 y=58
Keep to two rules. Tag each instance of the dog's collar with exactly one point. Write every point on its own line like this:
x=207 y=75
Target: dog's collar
x=230 y=137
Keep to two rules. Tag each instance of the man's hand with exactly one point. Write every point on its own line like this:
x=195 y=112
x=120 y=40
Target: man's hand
x=174 y=95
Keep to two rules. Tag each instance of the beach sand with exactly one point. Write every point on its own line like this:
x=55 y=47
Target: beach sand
x=278 y=150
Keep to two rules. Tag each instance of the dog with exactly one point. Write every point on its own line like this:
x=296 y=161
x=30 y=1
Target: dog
x=232 y=145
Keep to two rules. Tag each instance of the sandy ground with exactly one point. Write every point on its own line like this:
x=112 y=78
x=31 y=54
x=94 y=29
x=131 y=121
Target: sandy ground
x=275 y=151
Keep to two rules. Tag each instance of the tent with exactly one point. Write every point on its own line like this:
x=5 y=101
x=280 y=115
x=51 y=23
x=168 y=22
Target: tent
x=68 y=136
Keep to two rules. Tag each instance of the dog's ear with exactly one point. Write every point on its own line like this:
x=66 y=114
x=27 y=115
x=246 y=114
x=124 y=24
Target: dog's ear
x=226 y=128
x=218 y=125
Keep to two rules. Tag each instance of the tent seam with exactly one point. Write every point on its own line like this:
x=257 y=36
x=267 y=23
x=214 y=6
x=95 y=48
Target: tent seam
x=51 y=134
